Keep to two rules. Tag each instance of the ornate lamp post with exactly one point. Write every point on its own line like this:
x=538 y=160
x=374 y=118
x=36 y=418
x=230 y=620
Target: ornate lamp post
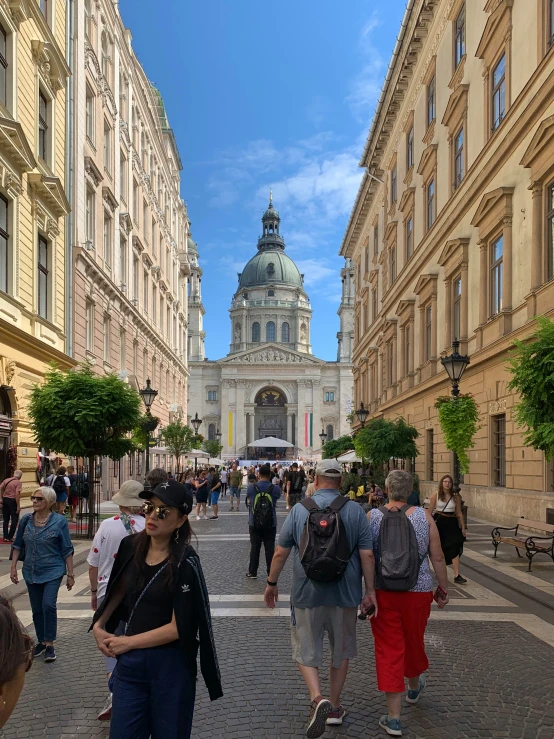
x=196 y=423
x=322 y=438
x=148 y=395
x=455 y=365
x=218 y=436
x=362 y=414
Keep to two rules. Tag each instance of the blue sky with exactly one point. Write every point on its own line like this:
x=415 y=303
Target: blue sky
x=268 y=94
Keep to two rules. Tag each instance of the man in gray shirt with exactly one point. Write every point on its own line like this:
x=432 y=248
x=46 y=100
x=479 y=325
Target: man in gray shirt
x=318 y=607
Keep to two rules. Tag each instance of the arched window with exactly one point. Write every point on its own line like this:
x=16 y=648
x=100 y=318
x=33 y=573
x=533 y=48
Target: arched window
x=211 y=432
x=270 y=331
x=285 y=333
x=255 y=331
x=329 y=432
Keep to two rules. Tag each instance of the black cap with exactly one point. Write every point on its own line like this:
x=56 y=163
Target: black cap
x=172 y=493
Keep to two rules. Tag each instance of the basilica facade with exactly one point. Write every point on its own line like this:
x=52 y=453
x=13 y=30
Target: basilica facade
x=270 y=383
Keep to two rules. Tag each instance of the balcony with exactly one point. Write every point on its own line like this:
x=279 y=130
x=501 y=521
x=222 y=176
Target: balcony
x=270 y=303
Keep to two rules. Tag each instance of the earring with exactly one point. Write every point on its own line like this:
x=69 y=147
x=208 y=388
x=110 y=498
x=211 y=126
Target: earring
x=176 y=535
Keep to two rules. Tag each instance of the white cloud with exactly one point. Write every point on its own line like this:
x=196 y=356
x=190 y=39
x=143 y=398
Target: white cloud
x=366 y=86
x=314 y=271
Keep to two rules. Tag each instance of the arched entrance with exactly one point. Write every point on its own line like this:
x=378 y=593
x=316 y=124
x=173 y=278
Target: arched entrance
x=5 y=432
x=270 y=417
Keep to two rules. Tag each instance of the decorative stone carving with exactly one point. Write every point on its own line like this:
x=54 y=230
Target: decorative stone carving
x=238 y=333
x=497 y=406
x=268 y=355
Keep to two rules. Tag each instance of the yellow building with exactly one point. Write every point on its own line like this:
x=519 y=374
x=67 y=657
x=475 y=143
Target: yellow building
x=452 y=233
x=33 y=206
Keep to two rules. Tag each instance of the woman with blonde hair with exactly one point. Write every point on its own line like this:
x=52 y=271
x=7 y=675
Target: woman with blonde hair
x=446 y=505
x=44 y=546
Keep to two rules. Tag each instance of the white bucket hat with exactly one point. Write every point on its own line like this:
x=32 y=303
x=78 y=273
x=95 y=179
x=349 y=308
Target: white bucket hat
x=128 y=495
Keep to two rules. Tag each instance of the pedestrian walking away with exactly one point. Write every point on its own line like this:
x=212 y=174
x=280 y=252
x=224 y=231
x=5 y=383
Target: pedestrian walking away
x=102 y=556
x=16 y=658
x=446 y=508
x=10 y=503
x=44 y=546
x=62 y=487
x=403 y=536
x=215 y=490
x=235 y=483
x=201 y=485
x=261 y=500
x=332 y=545
x=157 y=589
x=295 y=483
x=223 y=478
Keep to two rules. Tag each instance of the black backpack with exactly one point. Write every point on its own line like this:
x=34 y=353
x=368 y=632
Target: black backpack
x=324 y=550
x=262 y=509
x=397 y=567
x=58 y=484
x=297 y=483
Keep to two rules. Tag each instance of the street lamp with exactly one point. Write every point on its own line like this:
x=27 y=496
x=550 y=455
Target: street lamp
x=196 y=423
x=455 y=365
x=362 y=414
x=322 y=436
x=218 y=436
x=148 y=395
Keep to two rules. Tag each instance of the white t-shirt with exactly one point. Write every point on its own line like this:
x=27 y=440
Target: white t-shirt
x=105 y=545
x=223 y=476
x=53 y=477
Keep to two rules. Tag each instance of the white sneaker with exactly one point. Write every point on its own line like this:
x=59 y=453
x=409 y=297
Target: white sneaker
x=106 y=713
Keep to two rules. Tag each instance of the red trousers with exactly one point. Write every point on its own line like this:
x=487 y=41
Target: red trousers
x=398 y=631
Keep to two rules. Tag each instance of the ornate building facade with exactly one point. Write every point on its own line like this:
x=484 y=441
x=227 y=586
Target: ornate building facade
x=452 y=230
x=270 y=384
x=33 y=206
x=129 y=224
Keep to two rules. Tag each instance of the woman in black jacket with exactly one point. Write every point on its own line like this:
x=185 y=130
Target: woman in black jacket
x=157 y=589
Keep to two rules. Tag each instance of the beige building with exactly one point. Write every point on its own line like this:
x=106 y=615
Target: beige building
x=129 y=224
x=33 y=207
x=457 y=240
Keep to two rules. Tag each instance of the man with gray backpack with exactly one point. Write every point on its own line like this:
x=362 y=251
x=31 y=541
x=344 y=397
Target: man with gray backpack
x=404 y=538
x=332 y=549
x=261 y=499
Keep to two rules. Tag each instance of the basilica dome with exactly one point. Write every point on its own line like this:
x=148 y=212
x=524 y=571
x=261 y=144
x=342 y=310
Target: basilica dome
x=271 y=267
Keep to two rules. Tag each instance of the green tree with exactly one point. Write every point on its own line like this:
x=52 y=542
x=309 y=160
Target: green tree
x=81 y=414
x=178 y=439
x=337 y=446
x=213 y=447
x=381 y=439
x=532 y=369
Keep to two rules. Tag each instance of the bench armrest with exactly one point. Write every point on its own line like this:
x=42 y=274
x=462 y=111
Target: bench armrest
x=496 y=531
x=539 y=538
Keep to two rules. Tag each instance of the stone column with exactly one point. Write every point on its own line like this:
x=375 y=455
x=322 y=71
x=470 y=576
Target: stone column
x=483 y=282
x=394 y=349
x=379 y=375
x=464 y=304
x=224 y=428
x=508 y=278
x=316 y=405
x=421 y=336
x=240 y=423
x=301 y=414
x=448 y=313
x=289 y=426
x=536 y=236
x=411 y=359
x=434 y=324
x=402 y=353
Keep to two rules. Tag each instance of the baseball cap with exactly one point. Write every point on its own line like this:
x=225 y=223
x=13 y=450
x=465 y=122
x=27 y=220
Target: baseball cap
x=172 y=493
x=328 y=468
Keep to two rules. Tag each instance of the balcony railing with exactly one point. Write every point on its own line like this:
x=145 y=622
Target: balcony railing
x=268 y=302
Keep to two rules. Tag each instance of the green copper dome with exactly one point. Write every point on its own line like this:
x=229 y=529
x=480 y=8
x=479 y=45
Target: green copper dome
x=268 y=267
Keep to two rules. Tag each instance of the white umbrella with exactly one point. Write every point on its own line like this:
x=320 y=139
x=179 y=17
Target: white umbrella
x=271 y=441
x=215 y=461
x=197 y=453
x=348 y=458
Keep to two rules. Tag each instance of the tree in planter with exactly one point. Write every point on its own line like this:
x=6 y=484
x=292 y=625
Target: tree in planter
x=381 y=439
x=178 y=439
x=81 y=414
x=532 y=369
x=459 y=422
x=213 y=447
x=337 y=446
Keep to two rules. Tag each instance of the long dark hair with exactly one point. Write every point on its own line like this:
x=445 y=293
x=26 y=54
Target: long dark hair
x=12 y=642
x=442 y=494
x=176 y=549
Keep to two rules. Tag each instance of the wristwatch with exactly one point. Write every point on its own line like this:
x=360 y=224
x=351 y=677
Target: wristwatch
x=271 y=584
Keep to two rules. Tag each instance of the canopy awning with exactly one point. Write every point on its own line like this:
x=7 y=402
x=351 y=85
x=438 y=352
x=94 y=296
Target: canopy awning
x=272 y=441
x=348 y=458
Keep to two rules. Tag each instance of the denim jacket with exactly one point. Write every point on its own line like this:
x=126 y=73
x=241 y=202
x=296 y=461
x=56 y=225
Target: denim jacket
x=46 y=548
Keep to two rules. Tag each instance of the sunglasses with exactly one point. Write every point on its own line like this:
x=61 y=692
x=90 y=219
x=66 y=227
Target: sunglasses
x=36 y=499
x=161 y=511
x=28 y=651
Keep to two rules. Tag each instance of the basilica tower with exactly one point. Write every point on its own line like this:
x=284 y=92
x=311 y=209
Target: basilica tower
x=346 y=314
x=196 y=333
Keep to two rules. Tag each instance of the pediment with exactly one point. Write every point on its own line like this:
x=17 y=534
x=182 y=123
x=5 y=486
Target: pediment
x=495 y=28
x=50 y=191
x=270 y=354
x=425 y=287
x=454 y=249
x=405 y=309
x=457 y=104
x=495 y=200
x=407 y=198
x=390 y=233
x=14 y=143
x=428 y=158
x=538 y=155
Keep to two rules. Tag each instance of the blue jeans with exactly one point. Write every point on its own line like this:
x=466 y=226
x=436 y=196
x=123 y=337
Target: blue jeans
x=43 y=597
x=153 y=695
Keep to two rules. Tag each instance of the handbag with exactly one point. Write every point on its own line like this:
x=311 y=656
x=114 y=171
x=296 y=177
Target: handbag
x=23 y=523
x=438 y=514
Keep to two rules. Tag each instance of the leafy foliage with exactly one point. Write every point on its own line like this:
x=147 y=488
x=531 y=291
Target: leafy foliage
x=459 y=422
x=381 y=439
x=178 y=438
x=532 y=369
x=140 y=432
x=81 y=414
x=337 y=446
x=212 y=446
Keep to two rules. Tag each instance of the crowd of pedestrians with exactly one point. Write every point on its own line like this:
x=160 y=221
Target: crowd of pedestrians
x=150 y=600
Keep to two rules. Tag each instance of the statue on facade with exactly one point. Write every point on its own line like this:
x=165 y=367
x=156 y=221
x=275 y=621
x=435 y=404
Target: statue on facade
x=238 y=333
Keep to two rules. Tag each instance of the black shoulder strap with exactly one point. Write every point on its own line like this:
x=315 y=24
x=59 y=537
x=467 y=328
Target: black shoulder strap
x=257 y=489
x=309 y=504
x=339 y=502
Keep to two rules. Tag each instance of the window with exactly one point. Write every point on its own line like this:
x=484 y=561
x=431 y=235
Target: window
x=551 y=22
x=123 y=176
x=43 y=5
x=407 y=340
x=430 y=204
x=285 y=333
x=43 y=277
x=145 y=219
x=375 y=240
x=392 y=264
x=410 y=149
x=431 y=102
x=409 y=237
x=135 y=358
x=105 y=57
x=107 y=147
x=154 y=371
x=255 y=331
x=499 y=92
x=393 y=186
x=89 y=115
x=3 y=66
x=458 y=158
x=123 y=260
x=122 y=352
x=499 y=450
x=460 y=37
x=211 y=432
x=144 y=365
x=374 y=303
x=212 y=395
x=330 y=432
x=390 y=364
x=89 y=215
x=550 y=227
x=161 y=315
x=42 y=126
x=89 y=326
x=145 y=292
x=367 y=259
x=330 y=397
x=106 y=344
x=428 y=332
x=271 y=293
x=107 y=240
x=270 y=331
x=88 y=19
x=497 y=268
x=4 y=244
x=135 y=279
x=154 y=304
x=456 y=307
x=136 y=202
x=430 y=449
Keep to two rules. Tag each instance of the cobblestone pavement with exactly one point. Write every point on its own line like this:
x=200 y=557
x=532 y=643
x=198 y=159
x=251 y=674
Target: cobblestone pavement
x=491 y=654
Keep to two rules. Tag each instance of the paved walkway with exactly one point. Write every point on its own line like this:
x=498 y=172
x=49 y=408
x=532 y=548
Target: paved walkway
x=491 y=654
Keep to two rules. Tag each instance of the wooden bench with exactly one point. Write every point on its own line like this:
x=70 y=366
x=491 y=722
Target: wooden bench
x=532 y=544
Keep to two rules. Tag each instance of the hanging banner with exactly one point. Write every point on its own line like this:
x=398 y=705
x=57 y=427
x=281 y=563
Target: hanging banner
x=231 y=429
x=308 y=429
